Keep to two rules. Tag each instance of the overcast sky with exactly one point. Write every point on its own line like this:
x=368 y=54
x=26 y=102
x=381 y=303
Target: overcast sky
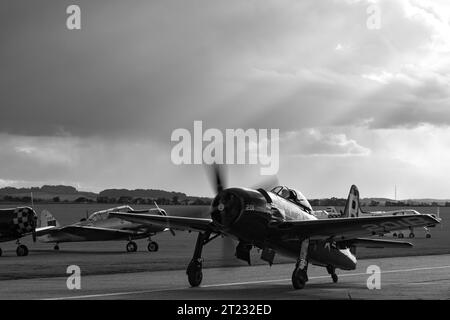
x=95 y=108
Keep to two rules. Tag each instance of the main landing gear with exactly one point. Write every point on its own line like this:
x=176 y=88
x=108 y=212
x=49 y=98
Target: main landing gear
x=194 y=269
x=300 y=274
x=152 y=246
x=411 y=233
x=332 y=271
x=21 y=250
x=131 y=246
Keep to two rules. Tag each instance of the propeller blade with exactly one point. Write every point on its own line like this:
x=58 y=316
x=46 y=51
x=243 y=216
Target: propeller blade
x=218 y=177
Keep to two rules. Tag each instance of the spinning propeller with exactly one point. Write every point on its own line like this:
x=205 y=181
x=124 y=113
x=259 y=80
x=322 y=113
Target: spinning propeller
x=218 y=181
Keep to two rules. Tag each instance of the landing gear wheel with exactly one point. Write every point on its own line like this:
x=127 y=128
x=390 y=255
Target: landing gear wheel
x=152 y=246
x=335 y=278
x=332 y=272
x=428 y=236
x=194 y=269
x=299 y=278
x=56 y=247
x=195 y=274
x=22 y=251
x=394 y=235
x=400 y=235
x=131 y=246
x=411 y=235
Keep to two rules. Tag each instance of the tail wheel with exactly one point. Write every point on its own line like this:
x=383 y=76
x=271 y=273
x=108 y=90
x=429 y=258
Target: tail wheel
x=428 y=235
x=152 y=246
x=334 y=277
x=131 y=246
x=56 y=247
x=332 y=272
x=22 y=251
x=299 y=279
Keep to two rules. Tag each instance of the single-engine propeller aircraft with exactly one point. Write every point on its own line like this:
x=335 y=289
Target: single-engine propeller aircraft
x=100 y=226
x=399 y=233
x=358 y=212
x=16 y=223
x=282 y=220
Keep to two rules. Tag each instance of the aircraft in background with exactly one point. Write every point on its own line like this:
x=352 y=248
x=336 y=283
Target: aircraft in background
x=357 y=212
x=329 y=212
x=16 y=223
x=282 y=220
x=399 y=233
x=100 y=226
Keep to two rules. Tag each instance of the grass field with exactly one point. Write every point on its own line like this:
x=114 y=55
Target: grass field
x=175 y=252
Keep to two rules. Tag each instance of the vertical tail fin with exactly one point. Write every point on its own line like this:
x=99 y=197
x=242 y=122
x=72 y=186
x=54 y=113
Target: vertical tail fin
x=48 y=220
x=352 y=207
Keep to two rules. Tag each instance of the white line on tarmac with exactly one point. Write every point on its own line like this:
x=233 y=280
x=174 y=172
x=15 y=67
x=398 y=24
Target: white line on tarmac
x=234 y=284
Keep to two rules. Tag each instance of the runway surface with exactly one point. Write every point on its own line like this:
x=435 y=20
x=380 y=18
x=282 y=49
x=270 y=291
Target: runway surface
x=424 y=277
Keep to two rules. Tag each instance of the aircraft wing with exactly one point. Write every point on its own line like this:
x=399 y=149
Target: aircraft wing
x=171 y=222
x=339 y=229
x=86 y=230
x=375 y=243
x=44 y=230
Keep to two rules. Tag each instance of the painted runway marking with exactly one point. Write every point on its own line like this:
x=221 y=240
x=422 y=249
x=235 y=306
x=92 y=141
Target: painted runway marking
x=235 y=284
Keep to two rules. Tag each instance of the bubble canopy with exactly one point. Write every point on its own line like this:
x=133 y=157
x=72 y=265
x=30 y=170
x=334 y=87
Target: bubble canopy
x=292 y=195
x=104 y=214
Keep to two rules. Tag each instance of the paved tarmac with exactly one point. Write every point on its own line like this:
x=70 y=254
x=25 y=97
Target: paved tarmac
x=421 y=277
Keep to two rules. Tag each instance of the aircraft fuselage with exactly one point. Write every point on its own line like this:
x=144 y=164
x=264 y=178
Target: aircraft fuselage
x=16 y=222
x=249 y=215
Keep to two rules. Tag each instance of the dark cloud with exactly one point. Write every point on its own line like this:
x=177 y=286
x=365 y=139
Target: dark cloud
x=145 y=68
x=140 y=69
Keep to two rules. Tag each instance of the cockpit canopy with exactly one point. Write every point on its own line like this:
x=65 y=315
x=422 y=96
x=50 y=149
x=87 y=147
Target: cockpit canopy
x=103 y=214
x=292 y=195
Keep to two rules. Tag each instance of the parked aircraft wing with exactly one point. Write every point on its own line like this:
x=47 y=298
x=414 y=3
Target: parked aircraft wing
x=375 y=243
x=171 y=222
x=339 y=229
x=44 y=230
x=87 y=230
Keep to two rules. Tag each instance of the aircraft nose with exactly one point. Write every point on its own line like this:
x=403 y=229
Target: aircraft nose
x=227 y=207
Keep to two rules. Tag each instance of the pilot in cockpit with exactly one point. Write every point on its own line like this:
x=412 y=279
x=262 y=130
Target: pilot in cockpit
x=293 y=196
